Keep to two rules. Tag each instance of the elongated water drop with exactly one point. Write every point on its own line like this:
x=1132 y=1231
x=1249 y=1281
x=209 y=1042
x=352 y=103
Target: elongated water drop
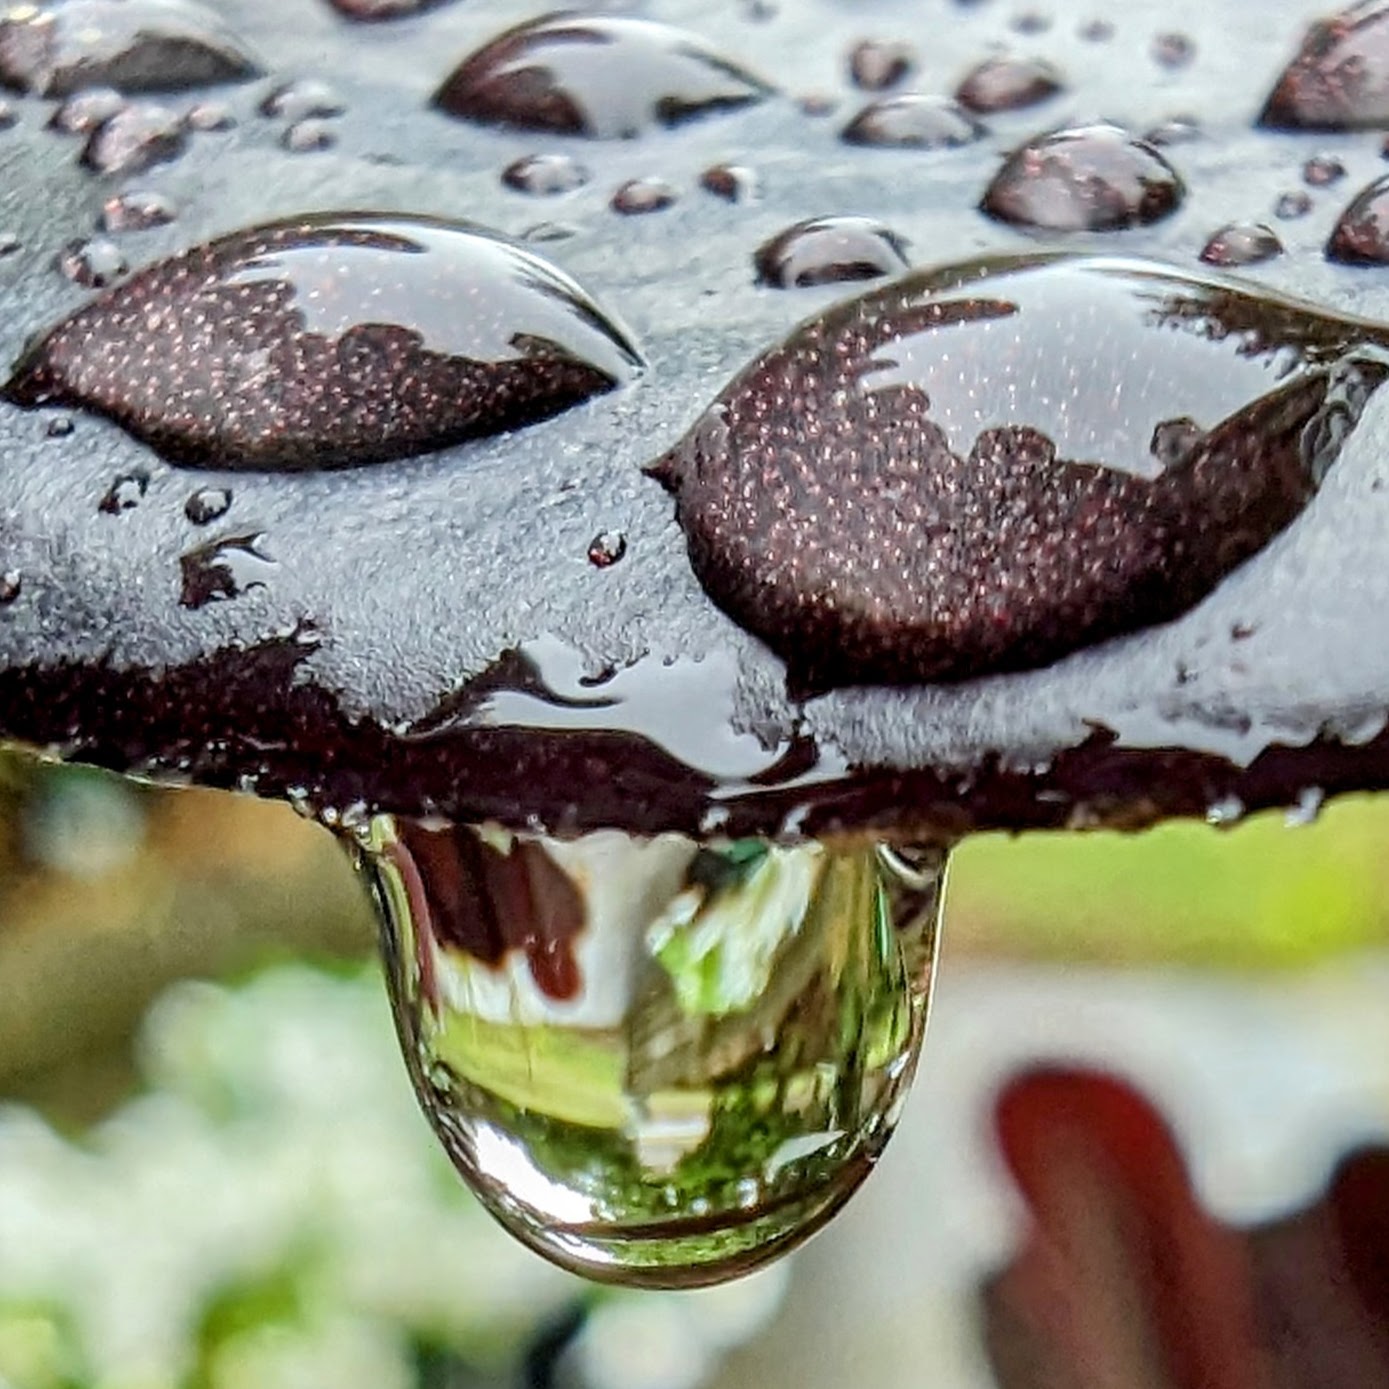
x=656 y=1062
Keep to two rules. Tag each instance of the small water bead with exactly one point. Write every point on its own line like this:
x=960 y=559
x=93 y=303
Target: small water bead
x=1242 y=243
x=330 y=341
x=1361 y=235
x=57 y=47
x=224 y=569
x=59 y=427
x=1040 y=453
x=1339 y=79
x=95 y=263
x=545 y=175
x=1008 y=84
x=829 y=250
x=1173 y=50
x=606 y=548
x=207 y=504
x=734 y=183
x=1096 y=31
x=1085 y=178
x=9 y=117
x=1176 y=130
x=1289 y=206
x=1322 y=170
x=137 y=210
x=209 y=116
x=543 y=232
x=642 y=195
x=9 y=243
x=125 y=493
x=136 y=138
x=308 y=136
x=11 y=586
x=1030 y=22
x=605 y=77
x=300 y=99
x=83 y=111
x=913 y=122
x=657 y=1062
x=878 y=64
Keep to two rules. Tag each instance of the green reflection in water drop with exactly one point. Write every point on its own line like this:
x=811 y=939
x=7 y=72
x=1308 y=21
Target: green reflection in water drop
x=656 y=1062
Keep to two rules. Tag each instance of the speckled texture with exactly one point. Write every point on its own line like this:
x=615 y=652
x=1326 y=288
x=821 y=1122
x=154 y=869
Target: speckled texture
x=397 y=587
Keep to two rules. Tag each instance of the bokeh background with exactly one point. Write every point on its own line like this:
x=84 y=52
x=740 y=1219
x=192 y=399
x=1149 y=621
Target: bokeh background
x=213 y=1175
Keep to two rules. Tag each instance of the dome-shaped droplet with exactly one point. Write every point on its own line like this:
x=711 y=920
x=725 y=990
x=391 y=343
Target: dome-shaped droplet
x=1295 y=203
x=328 y=342
x=300 y=99
x=656 y=1062
x=56 y=47
x=1339 y=79
x=308 y=136
x=734 y=183
x=95 y=262
x=137 y=137
x=830 y=250
x=207 y=504
x=1322 y=170
x=913 y=122
x=545 y=175
x=641 y=195
x=1242 y=243
x=1008 y=84
x=136 y=210
x=370 y=11
x=11 y=586
x=125 y=493
x=596 y=75
x=1087 y=178
x=877 y=64
x=1173 y=50
x=83 y=111
x=606 y=548
x=999 y=438
x=1361 y=235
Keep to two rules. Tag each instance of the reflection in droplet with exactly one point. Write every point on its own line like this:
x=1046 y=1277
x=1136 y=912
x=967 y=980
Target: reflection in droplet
x=656 y=1062
x=830 y=250
x=913 y=122
x=224 y=569
x=606 y=548
x=1087 y=178
x=59 y=427
x=55 y=47
x=605 y=77
x=1242 y=243
x=983 y=431
x=329 y=342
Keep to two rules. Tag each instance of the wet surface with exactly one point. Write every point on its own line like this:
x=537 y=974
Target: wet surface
x=396 y=586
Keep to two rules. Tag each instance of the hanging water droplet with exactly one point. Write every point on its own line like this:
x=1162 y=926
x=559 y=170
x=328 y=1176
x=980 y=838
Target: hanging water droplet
x=125 y=493
x=1088 y=178
x=1008 y=84
x=877 y=64
x=656 y=1062
x=829 y=250
x=224 y=568
x=11 y=585
x=605 y=77
x=53 y=48
x=83 y=111
x=913 y=122
x=136 y=210
x=1339 y=79
x=328 y=342
x=1242 y=243
x=996 y=462
x=207 y=504
x=136 y=138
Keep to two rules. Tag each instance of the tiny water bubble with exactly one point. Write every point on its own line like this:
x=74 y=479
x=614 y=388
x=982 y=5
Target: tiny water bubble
x=656 y=1061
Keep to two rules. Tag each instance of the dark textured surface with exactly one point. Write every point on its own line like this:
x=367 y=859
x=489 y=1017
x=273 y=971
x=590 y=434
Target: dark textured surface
x=351 y=674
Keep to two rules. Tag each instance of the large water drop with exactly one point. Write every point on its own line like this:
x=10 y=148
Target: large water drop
x=657 y=1062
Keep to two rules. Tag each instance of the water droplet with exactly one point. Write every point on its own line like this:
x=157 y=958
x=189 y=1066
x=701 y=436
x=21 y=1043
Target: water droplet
x=125 y=493
x=606 y=77
x=224 y=569
x=1242 y=243
x=1176 y=130
x=656 y=1062
x=1361 y=235
x=1008 y=84
x=1173 y=50
x=83 y=111
x=301 y=99
x=877 y=64
x=1322 y=170
x=308 y=136
x=830 y=250
x=1289 y=206
x=1087 y=178
x=9 y=117
x=210 y=116
x=136 y=210
x=734 y=183
x=984 y=431
x=53 y=48
x=207 y=504
x=545 y=175
x=642 y=195
x=1096 y=31
x=1307 y=809
x=606 y=548
x=550 y=231
x=11 y=586
x=329 y=342
x=9 y=243
x=1030 y=22
x=913 y=122
x=59 y=427
x=370 y=11
x=137 y=137
x=1339 y=79
x=94 y=263
x=1225 y=813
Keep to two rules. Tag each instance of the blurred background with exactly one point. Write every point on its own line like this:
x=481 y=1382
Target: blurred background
x=213 y=1174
